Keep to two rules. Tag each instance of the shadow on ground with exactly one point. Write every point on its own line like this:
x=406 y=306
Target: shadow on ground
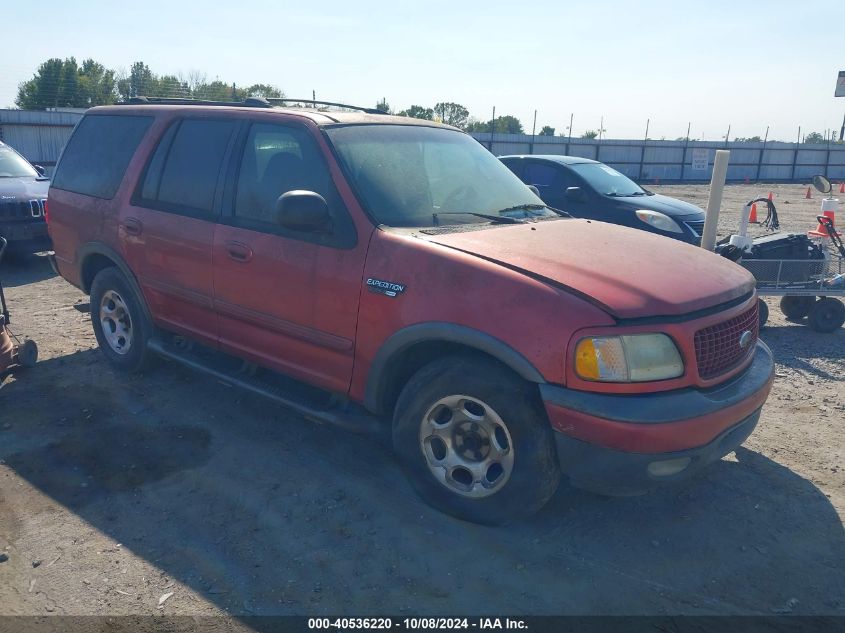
x=262 y=512
x=19 y=269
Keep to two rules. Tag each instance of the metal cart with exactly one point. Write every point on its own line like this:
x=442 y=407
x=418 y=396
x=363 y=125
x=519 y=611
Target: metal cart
x=808 y=288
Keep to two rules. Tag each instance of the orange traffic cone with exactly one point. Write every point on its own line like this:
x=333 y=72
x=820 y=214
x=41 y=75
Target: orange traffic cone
x=809 y=195
x=752 y=217
x=842 y=187
x=821 y=230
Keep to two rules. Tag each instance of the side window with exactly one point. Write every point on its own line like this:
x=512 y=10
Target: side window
x=515 y=166
x=277 y=159
x=96 y=156
x=541 y=175
x=185 y=168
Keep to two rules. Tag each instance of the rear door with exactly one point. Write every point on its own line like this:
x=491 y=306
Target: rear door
x=168 y=229
x=286 y=299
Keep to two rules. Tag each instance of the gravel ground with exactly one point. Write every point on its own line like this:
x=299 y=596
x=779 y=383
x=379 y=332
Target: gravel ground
x=168 y=493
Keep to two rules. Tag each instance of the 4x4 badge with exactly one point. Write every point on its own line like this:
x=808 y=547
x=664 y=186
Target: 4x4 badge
x=388 y=288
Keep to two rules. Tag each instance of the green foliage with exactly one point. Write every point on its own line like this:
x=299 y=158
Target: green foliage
x=64 y=84
x=547 y=130
x=264 y=90
x=590 y=134
x=418 y=112
x=506 y=124
x=747 y=139
x=452 y=114
x=383 y=106
x=814 y=137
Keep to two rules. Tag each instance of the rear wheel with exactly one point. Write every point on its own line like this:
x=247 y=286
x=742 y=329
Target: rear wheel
x=796 y=308
x=120 y=324
x=475 y=442
x=827 y=315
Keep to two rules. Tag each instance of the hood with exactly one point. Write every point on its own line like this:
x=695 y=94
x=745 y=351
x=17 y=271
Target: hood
x=22 y=189
x=630 y=273
x=664 y=204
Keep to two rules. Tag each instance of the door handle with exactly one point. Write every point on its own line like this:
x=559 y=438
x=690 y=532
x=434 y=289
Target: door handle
x=239 y=252
x=133 y=226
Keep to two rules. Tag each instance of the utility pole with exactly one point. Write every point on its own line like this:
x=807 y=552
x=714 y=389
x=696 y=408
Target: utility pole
x=533 y=130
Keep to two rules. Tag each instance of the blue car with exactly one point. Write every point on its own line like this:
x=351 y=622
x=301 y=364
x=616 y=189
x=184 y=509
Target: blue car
x=589 y=189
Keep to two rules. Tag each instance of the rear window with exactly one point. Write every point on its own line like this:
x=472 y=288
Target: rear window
x=183 y=173
x=96 y=156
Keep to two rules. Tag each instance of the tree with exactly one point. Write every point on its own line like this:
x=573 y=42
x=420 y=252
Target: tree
x=452 y=114
x=590 y=134
x=264 y=90
x=814 y=137
x=418 y=112
x=508 y=124
x=97 y=84
x=747 y=139
x=474 y=125
x=547 y=130
x=383 y=106
x=45 y=87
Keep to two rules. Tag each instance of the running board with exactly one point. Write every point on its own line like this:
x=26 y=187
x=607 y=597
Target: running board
x=347 y=416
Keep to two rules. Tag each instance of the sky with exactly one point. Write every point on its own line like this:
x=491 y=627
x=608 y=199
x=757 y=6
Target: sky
x=714 y=64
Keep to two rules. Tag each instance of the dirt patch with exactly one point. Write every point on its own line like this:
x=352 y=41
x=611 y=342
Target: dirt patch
x=124 y=489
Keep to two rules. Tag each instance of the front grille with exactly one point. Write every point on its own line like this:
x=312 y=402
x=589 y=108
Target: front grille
x=22 y=210
x=717 y=348
x=698 y=227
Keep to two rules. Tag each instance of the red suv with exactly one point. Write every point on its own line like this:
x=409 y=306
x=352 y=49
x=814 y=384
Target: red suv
x=372 y=271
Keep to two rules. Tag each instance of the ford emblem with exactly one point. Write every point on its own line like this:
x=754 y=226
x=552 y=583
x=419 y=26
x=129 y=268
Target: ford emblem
x=745 y=339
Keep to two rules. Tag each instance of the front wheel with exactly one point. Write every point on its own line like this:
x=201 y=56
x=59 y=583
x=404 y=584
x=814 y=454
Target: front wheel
x=475 y=441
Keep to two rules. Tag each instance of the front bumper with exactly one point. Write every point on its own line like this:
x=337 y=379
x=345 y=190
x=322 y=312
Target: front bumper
x=30 y=236
x=613 y=443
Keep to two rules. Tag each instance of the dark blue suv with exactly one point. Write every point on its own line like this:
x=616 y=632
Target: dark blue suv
x=588 y=189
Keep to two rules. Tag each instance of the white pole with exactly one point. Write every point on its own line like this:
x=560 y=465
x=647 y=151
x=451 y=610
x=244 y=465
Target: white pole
x=714 y=203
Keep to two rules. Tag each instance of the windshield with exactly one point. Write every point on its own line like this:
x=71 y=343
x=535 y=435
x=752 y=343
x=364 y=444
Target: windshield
x=607 y=180
x=414 y=176
x=13 y=165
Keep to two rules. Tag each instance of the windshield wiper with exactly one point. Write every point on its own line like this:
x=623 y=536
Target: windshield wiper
x=614 y=194
x=519 y=207
x=504 y=219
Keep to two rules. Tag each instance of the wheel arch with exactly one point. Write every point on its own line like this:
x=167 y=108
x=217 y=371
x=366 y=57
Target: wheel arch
x=94 y=257
x=409 y=349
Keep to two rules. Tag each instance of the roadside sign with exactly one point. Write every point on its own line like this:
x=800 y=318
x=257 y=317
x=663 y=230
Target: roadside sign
x=840 y=84
x=700 y=158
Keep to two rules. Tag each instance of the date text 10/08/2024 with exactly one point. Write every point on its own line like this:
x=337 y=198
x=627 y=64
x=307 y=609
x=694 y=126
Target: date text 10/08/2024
x=412 y=624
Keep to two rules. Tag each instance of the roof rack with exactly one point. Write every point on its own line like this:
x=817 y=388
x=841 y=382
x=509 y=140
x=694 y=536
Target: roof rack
x=250 y=102
x=325 y=103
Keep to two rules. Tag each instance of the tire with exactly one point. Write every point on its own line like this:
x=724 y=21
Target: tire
x=494 y=422
x=763 y=311
x=796 y=308
x=827 y=315
x=120 y=324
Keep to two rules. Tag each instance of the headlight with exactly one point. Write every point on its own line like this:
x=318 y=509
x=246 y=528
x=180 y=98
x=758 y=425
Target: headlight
x=634 y=358
x=659 y=221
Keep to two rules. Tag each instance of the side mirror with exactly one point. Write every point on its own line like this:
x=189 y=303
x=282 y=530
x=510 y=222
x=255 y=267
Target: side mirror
x=822 y=184
x=574 y=193
x=300 y=210
x=41 y=171
x=534 y=190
